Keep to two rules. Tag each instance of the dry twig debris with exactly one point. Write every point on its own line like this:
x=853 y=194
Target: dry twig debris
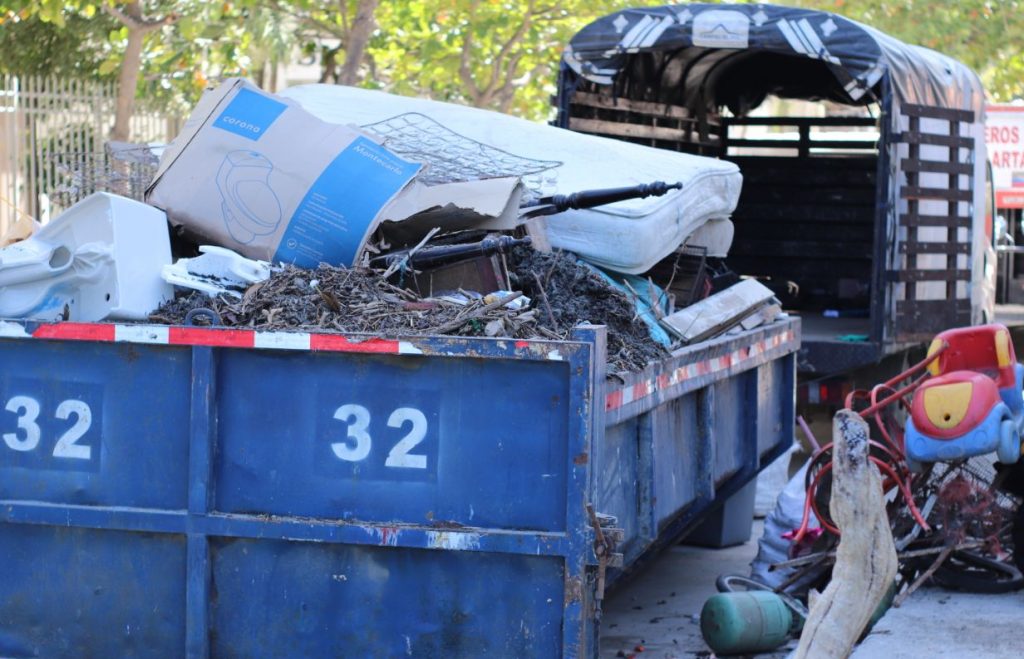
x=362 y=301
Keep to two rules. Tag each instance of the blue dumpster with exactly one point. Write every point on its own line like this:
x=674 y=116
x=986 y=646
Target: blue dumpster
x=177 y=491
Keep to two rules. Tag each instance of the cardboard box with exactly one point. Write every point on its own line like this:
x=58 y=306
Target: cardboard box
x=258 y=174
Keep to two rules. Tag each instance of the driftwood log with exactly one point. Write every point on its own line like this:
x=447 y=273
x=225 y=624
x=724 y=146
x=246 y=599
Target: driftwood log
x=866 y=557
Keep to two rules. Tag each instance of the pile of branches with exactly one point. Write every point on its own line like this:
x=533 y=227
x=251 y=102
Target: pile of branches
x=361 y=301
x=567 y=293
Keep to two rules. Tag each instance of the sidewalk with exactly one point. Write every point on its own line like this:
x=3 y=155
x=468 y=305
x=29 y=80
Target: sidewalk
x=659 y=609
x=938 y=624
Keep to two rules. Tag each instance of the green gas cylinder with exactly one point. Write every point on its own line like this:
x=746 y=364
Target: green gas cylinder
x=745 y=622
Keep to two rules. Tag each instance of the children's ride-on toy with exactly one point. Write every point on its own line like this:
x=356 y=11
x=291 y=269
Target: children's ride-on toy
x=973 y=404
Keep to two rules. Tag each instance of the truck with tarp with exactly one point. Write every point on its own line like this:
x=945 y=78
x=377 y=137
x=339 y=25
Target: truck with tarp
x=871 y=218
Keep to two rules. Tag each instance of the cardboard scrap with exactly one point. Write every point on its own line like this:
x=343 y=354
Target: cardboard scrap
x=20 y=229
x=488 y=204
x=764 y=314
x=258 y=174
x=717 y=313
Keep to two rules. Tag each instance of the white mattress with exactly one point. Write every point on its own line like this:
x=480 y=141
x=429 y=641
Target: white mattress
x=629 y=236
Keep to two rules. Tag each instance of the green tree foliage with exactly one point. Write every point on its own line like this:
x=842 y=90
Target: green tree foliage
x=167 y=50
x=32 y=46
x=336 y=32
x=499 y=54
x=987 y=35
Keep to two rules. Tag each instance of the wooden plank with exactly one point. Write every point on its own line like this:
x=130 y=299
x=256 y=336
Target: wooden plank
x=914 y=153
x=796 y=144
x=961 y=305
x=600 y=127
x=757 y=230
x=802 y=249
x=758 y=212
x=801 y=269
x=859 y=161
x=929 y=275
x=800 y=121
x=917 y=137
x=866 y=562
x=908 y=165
x=932 y=112
x=805 y=197
x=719 y=312
x=835 y=165
x=934 y=248
x=604 y=102
x=808 y=178
x=915 y=192
x=918 y=220
x=923 y=319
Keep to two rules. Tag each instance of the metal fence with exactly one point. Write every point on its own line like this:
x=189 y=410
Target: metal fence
x=53 y=145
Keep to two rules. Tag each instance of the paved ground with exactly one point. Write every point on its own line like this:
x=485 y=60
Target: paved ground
x=659 y=610
x=939 y=624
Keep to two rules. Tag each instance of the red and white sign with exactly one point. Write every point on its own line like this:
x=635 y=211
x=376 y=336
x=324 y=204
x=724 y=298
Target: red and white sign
x=1004 y=137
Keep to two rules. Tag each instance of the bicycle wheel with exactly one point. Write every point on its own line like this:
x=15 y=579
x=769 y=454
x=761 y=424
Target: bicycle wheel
x=1017 y=533
x=971 y=572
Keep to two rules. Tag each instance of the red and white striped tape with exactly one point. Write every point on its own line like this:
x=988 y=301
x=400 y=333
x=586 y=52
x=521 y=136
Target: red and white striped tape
x=240 y=338
x=634 y=392
x=220 y=338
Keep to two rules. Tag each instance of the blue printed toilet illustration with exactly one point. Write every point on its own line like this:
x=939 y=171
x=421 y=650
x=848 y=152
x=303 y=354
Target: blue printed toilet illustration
x=249 y=205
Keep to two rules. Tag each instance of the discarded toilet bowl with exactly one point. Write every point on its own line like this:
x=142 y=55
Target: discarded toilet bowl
x=99 y=259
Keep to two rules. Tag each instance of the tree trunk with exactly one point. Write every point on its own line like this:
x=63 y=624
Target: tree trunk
x=128 y=78
x=274 y=66
x=328 y=64
x=127 y=81
x=358 y=38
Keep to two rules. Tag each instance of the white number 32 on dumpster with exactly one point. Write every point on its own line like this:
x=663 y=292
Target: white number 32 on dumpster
x=28 y=434
x=358 y=443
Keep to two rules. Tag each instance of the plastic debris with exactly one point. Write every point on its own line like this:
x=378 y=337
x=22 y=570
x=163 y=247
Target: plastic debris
x=217 y=270
x=518 y=303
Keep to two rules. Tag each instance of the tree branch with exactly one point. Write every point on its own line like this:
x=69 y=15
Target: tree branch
x=496 y=86
x=465 y=70
x=318 y=26
x=343 y=10
x=134 y=20
x=122 y=18
x=506 y=47
x=508 y=89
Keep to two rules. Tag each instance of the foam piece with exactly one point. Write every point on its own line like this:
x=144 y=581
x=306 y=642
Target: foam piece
x=629 y=236
x=715 y=236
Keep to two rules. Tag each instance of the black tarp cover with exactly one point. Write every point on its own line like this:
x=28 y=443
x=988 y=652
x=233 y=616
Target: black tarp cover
x=736 y=55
